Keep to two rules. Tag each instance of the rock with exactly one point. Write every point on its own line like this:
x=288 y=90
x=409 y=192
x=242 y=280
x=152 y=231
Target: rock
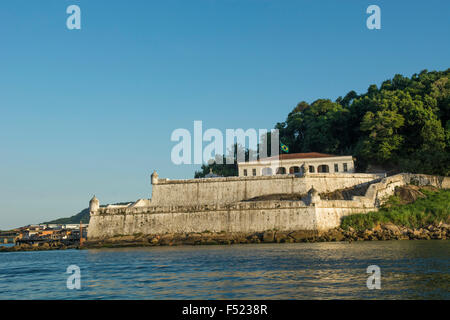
x=239 y=238
x=209 y=242
x=336 y=235
x=165 y=241
x=445 y=226
x=377 y=228
x=280 y=237
x=404 y=231
x=414 y=234
x=299 y=236
x=436 y=235
x=392 y=228
x=408 y=193
x=269 y=236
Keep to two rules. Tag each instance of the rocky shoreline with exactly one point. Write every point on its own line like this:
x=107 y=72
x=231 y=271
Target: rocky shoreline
x=381 y=232
x=40 y=247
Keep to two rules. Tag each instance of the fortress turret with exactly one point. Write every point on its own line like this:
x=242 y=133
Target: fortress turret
x=94 y=205
x=313 y=195
x=154 y=177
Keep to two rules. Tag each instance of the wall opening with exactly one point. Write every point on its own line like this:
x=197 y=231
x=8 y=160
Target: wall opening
x=281 y=170
x=323 y=168
x=294 y=169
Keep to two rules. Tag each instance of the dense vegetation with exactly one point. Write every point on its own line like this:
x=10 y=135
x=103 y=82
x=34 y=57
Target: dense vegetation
x=401 y=126
x=225 y=170
x=421 y=213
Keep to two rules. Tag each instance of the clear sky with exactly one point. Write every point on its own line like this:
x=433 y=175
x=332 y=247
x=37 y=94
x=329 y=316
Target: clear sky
x=91 y=111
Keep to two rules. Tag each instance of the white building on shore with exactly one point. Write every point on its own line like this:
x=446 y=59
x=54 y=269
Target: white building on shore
x=297 y=163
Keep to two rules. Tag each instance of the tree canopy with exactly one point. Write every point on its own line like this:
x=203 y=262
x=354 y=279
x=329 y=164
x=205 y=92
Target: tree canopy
x=404 y=125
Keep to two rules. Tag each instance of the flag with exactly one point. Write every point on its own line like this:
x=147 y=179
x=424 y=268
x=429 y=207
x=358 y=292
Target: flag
x=284 y=147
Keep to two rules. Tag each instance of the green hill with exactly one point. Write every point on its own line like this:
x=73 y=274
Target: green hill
x=82 y=216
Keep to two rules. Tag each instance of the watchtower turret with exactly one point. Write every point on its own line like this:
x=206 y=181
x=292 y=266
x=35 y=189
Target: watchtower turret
x=94 y=205
x=313 y=195
x=154 y=177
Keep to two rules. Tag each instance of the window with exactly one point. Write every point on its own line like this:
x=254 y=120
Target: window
x=245 y=172
x=254 y=172
x=336 y=167
x=294 y=169
x=323 y=168
x=345 y=167
x=311 y=169
x=281 y=170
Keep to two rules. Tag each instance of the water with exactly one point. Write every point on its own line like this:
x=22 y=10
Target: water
x=409 y=270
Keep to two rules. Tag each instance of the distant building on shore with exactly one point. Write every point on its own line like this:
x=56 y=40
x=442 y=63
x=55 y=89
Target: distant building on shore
x=50 y=233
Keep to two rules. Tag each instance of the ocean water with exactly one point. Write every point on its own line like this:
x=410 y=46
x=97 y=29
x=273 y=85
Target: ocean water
x=409 y=270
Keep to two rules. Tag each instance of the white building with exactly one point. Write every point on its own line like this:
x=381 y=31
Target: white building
x=297 y=163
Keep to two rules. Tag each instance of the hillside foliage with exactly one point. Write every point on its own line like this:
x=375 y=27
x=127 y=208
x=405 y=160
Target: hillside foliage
x=433 y=209
x=401 y=126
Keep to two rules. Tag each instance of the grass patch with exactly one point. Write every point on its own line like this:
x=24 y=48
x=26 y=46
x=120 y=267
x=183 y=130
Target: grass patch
x=423 y=212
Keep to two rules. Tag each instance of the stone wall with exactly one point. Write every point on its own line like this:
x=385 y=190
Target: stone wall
x=310 y=214
x=380 y=192
x=240 y=217
x=234 y=189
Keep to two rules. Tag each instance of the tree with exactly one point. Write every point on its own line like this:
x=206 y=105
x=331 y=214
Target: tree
x=404 y=123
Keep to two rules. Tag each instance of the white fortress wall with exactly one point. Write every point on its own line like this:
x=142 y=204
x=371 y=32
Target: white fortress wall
x=380 y=192
x=314 y=214
x=234 y=189
x=241 y=217
x=244 y=217
x=329 y=213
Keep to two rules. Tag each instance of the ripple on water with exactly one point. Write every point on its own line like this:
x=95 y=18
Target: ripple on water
x=410 y=270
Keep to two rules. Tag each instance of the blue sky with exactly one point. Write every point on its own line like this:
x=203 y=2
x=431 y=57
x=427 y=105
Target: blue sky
x=91 y=111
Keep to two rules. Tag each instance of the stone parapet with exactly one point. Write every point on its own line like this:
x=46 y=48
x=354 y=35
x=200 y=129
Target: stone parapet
x=312 y=214
x=234 y=189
